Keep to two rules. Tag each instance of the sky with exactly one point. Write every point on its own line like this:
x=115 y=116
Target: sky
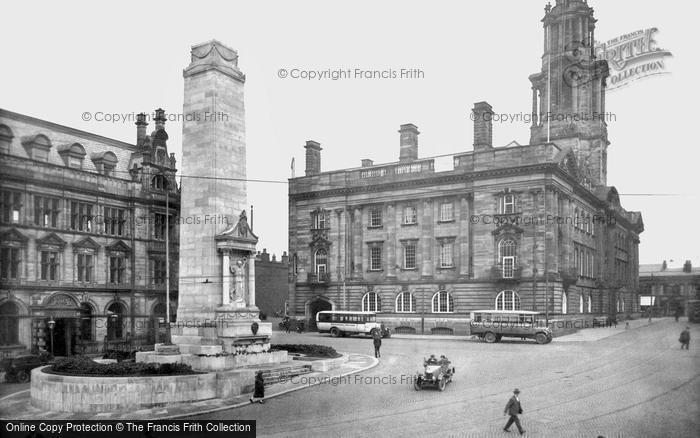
x=62 y=59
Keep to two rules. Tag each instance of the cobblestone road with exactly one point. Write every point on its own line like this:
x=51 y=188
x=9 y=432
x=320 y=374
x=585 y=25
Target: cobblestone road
x=637 y=383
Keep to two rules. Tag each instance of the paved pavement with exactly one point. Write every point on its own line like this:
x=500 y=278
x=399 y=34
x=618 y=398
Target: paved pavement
x=17 y=406
x=613 y=382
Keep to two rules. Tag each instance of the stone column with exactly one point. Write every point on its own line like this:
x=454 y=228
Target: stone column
x=534 y=107
x=566 y=213
x=427 y=241
x=391 y=240
x=251 y=281
x=464 y=254
x=357 y=242
x=225 y=278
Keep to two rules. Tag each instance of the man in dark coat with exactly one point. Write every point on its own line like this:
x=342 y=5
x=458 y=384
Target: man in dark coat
x=685 y=338
x=259 y=391
x=377 y=339
x=513 y=409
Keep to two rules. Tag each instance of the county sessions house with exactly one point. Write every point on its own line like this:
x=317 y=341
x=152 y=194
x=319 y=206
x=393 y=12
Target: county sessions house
x=532 y=227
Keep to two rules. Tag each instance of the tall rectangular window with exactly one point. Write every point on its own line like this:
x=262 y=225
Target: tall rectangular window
x=375 y=258
x=117 y=269
x=410 y=215
x=9 y=263
x=159 y=226
x=49 y=265
x=158 y=270
x=320 y=220
x=114 y=219
x=10 y=206
x=446 y=212
x=81 y=216
x=46 y=211
x=446 y=255
x=508 y=266
x=508 y=204
x=85 y=268
x=375 y=217
x=409 y=256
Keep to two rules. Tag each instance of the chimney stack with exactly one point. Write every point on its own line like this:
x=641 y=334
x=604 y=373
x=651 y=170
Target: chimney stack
x=482 y=115
x=140 y=128
x=313 y=158
x=367 y=163
x=408 y=142
x=687 y=267
x=160 y=119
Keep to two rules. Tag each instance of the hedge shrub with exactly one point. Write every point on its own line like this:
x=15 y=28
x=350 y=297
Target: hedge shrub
x=312 y=350
x=84 y=366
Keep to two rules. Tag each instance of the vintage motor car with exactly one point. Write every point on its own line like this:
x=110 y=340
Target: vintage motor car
x=436 y=373
x=18 y=369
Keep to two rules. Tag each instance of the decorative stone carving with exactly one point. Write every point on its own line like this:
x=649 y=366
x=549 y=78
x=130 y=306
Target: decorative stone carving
x=238 y=289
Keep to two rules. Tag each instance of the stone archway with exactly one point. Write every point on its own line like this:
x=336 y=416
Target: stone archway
x=313 y=307
x=64 y=310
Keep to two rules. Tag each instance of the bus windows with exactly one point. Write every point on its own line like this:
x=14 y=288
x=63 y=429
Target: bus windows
x=324 y=317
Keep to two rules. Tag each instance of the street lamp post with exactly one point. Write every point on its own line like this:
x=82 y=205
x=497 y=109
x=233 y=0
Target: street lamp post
x=52 y=324
x=167 y=259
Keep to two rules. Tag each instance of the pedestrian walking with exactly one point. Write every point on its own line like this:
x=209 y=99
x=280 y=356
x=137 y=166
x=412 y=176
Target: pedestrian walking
x=286 y=324
x=377 y=340
x=259 y=392
x=685 y=338
x=513 y=408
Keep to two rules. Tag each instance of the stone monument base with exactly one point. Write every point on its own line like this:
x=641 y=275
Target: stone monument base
x=236 y=338
x=214 y=363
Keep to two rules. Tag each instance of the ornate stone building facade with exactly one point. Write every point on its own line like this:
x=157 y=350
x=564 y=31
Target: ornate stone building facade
x=82 y=236
x=531 y=227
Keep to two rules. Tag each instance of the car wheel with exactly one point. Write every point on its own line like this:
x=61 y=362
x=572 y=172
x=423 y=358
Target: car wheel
x=541 y=338
x=417 y=384
x=490 y=337
x=23 y=377
x=335 y=332
x=373 y=332
x=441 y=384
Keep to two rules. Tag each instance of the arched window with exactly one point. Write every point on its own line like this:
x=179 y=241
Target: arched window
x=405 y=303
x=115 y=321
x=371 y=302
x=9 y=324
x=564 y=303
x=580 y=303
x=508 y=300
x=86 y=322
x=506 y=257
x=321 y=262
x=443 y=302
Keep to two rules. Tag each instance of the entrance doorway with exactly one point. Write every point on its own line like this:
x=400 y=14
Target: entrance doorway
x=315 y=307
x=64 y=334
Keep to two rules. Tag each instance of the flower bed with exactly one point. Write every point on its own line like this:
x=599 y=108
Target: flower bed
x=84 y=366
x=312 y=350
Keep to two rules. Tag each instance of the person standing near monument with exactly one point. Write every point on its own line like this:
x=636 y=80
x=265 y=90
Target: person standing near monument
x=259 y=391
